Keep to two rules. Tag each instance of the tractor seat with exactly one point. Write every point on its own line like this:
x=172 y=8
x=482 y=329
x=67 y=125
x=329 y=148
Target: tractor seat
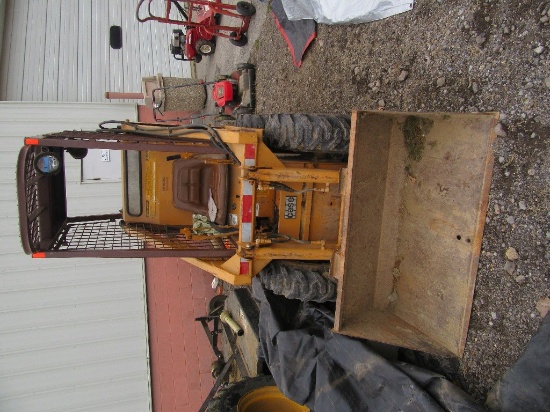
x=201 y=188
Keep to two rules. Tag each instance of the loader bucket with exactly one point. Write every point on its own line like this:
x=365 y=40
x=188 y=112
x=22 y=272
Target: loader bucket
x=415 y=198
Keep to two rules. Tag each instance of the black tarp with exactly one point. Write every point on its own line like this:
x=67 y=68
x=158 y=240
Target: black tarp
x=526 y=385
x=297 y=34
x=327 y=371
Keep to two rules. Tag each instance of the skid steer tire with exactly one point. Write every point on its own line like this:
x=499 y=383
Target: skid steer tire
x=305 y=281
x=254 y=121
x=303 y=133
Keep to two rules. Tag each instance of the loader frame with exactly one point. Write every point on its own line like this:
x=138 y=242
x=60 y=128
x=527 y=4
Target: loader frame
x=401 y=222
x=47 y=230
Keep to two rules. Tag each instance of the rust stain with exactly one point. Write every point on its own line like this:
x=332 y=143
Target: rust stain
x=415 y=130
x=444 y=190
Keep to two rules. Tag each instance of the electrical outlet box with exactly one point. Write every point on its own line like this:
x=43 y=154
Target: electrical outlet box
x=105 y=155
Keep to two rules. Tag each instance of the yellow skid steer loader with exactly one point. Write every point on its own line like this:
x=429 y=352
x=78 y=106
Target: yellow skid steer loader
x=382 y=212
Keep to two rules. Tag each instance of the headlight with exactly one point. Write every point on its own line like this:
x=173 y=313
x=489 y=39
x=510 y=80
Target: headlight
x=47 y=163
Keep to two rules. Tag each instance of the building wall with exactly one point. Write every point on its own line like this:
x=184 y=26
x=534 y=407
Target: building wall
x=2 y=19
x=181 y=355
x=58 y=50
x=73 y=332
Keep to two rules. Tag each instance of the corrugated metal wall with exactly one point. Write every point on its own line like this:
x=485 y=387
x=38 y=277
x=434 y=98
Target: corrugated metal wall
x=58 y=50
x=73 y=333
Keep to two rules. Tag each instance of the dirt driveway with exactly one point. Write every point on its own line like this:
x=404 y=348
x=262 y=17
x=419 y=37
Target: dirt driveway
x=467 y=56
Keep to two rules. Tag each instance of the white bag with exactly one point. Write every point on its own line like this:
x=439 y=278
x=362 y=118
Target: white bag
x=344 y=11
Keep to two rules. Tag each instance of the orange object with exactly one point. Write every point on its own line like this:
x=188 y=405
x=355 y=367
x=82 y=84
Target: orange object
x=31 y=141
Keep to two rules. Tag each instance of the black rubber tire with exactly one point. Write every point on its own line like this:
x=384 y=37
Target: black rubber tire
x=241 y=42
x=215 y=305
x=197 y=58
x=224 y=120
x=255 y=121
x=226 y=399
x=243 y=110
x=303 y=133
x=245 y=66
x=205 y=47
x=246 y=9
x=305 y=281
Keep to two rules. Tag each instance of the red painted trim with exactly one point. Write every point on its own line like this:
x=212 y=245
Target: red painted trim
x=244 y=267
x=39 y=255
x=250 y=151
x=246 y=209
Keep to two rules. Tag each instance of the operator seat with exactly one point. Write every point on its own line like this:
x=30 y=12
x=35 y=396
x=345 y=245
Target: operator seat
x=201 y=188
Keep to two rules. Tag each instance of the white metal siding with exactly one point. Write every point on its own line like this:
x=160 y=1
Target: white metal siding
x=58 y=50
x=73 y=332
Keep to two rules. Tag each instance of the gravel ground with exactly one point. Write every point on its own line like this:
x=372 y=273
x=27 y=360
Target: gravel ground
x=461 y=57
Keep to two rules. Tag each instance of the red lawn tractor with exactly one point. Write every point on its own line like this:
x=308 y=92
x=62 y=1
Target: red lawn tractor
x=235 y=94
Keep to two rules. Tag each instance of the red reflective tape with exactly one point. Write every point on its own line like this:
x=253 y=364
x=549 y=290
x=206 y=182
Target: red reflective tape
x=246 y=209
x=244 y=268
x=31 y=141
x=38 y=255
x=250 y=151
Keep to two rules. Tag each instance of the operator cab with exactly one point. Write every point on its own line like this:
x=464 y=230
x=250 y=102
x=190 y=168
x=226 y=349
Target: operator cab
x=168 y=188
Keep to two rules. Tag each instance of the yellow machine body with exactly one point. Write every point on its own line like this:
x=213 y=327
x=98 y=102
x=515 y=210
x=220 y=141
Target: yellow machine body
x=401 y=222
